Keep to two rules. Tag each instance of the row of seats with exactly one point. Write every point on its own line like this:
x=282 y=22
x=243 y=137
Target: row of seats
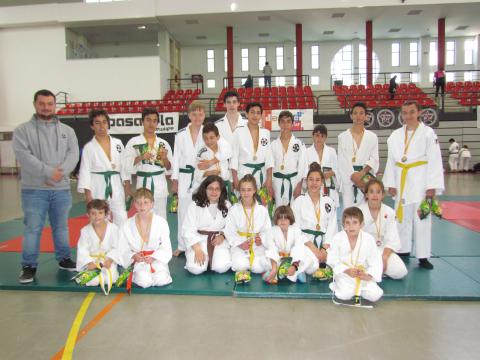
x=372 y=104
x=187 y=95
x=276 y=97
x=376 y=89
x=123 y=109
x=466 y=92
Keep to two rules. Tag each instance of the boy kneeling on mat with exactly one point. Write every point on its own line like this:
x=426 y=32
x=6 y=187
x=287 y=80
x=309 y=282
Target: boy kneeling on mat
x=355 y=260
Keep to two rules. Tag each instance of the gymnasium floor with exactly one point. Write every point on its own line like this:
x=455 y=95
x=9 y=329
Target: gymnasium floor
x=232 y=323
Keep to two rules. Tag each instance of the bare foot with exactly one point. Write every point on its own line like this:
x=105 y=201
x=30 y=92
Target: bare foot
x=177 y=252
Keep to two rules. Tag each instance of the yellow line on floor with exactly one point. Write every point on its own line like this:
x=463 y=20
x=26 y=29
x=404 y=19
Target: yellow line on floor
x=72 y=335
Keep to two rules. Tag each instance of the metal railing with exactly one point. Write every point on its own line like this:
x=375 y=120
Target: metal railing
x=378 y=78
x=184 y=83
x=61 y=95
x=259 y=80
x=462 y=75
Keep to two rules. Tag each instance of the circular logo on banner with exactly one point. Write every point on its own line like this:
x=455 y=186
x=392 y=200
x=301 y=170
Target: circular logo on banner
x=370 y=120
x=385 y=118
x=429 y=116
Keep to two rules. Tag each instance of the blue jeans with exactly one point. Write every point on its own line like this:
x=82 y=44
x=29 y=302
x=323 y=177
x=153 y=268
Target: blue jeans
x=268 y=80
x=36 y=204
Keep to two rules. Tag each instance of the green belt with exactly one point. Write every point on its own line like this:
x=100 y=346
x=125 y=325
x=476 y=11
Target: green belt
x=147 y=175
x=228 y=185
x=107 y=176
x=315 y=233
x=256 y=168
x=189 y=169
x=355 y=188
x=284 y=177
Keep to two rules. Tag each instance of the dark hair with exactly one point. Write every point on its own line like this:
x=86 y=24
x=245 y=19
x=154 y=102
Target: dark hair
x=373 y=182
x=322 y=129
x=352 y=212
x=451 y=140
x=98 y=204
x=150 y=111
x=44 y=92
x=285 y=114
x=200 y=196
x=93 y=113
x=315 y=167
x=359 y=104
x=231 y=93
x=283 y=211
x=411 y=102
x=254 y=104
x=266 y=62
x=210 y=127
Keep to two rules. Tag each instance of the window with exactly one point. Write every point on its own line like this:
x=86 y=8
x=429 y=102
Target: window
x=261 y=81
x=395 y=54
x=432 y=56
x=450 y=76
x=362 y=64
x=451 y=52
x=342 y=65
x=225 y=60
x=468 y=76
x=469 y=50
x=414 y=78
x=315 y=49
x=210 y=83
x=413 y=54
x=262 y=57
x=244 y=53
x=280 y=80
x=279 y=57
x=295 y=58
x=430 y=76
x=242 y=80
x=315 y=80
x=210 y=61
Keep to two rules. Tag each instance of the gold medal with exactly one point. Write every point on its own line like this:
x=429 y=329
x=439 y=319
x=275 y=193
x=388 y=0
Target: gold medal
x=354 y=159
x=404 y=158
x=282 y=167
x=254 y=157
x=318 y=227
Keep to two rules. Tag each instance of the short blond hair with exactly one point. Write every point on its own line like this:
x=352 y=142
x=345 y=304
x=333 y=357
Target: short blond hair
x=143 y=193
x=196 y=106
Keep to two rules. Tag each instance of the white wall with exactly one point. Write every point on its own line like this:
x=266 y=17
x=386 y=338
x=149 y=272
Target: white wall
x=34 y=58
x=194 y=60
x=124 y=50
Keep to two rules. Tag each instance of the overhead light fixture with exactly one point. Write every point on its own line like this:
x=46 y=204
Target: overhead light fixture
x=233 y=6
x=394 y=30
x=191 y=21
x=264 y=35
x=141 y=27
x=200 y=37
x=414 y=12
x=462 y=27
x=338 y=15
x=264 y=18
x=328 y=32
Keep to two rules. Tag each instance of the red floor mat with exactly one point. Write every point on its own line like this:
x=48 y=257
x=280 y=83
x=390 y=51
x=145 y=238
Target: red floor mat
x=46 y=242
x=463 y=213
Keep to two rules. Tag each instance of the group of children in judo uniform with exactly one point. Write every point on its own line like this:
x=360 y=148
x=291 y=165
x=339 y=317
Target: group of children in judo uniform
x=212 y=162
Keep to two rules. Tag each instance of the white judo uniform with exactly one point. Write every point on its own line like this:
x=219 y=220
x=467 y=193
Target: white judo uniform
x=279 y=247
x=237 y=231
x=329 y=161
x=464 y=159
x=208 y=218
x=225 y=130
x=245 y=160
x=350 y=159
x=306 y=219
x=384 y=231
x=150 y=174
x=91 y=248
x=183 y=170
x=453 y=151
x=104 y=177
x=223 y=154
x=289 y=169
x=158 y=246
x=365 y=255
x=422 y=170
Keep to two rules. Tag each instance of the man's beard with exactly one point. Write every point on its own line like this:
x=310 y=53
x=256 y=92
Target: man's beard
x=45 y=117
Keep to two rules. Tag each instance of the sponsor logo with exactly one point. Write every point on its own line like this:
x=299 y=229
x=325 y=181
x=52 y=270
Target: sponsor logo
x=370 y=120
x=385 y=118
x=119 y=148
x=264 y=142
x=328 y=208
x=429 y=116
x=295 y=147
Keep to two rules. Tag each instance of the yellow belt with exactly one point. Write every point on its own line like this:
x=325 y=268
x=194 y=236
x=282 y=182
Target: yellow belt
x=98 y=257
x=403 y=180
x=251 y=236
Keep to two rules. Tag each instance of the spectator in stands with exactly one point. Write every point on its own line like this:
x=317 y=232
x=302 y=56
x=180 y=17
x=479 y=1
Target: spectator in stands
x=393 y=87
x=464 y=157
x=47 y=151
x=453 y=151
x=414 y=171
x=267 y=74
x=249 y=82
x=439 y=81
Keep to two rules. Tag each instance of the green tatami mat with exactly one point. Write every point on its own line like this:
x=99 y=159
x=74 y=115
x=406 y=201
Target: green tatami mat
x=470 y=266
x=449 y=239
x=49 y=277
